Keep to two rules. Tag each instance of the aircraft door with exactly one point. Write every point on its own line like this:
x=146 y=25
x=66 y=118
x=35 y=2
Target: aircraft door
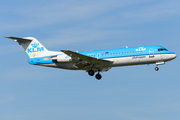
x=151 y=52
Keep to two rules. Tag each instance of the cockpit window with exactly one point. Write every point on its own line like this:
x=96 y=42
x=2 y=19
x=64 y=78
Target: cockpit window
x=162 y=49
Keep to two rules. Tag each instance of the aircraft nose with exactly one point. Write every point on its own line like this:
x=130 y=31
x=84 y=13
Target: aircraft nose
x=174 y=56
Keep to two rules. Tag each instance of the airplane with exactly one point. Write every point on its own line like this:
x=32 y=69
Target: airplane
x=96 y=60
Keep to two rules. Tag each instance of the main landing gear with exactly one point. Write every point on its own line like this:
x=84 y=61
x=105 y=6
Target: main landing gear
x=91 y=73
x=98 y=76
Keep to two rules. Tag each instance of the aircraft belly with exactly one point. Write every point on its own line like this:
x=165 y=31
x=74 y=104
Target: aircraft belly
x=122 y=61
x=65 y=65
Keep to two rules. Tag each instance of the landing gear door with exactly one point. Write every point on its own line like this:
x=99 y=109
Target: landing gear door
x=151 y=53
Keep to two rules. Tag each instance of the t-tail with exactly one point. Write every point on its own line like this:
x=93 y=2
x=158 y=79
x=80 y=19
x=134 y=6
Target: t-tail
x=33 y=47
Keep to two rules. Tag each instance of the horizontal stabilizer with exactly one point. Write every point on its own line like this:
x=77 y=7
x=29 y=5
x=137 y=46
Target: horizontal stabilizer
x=17 y=39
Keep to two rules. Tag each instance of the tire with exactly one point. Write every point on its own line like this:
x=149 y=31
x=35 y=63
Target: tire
x=91 y=72
x=98 y=76
x=156 y=68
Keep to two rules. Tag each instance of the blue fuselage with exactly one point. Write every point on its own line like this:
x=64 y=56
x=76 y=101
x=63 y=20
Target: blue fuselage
x=127 y=52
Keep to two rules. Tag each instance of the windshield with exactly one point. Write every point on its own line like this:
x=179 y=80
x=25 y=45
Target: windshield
x=162 y=49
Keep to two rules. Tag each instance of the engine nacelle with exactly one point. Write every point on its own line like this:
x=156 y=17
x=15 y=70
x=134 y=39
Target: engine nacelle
x=61 y=58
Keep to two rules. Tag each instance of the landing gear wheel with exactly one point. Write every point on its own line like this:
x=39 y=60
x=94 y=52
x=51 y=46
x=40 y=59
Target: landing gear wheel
x=156 y=68
x=98 y=76
x=91 y=72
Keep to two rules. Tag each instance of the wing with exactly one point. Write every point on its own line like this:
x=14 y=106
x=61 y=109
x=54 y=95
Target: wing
x=86 y=62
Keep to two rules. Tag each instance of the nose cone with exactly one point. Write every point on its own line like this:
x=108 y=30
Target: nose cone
x=173 y=56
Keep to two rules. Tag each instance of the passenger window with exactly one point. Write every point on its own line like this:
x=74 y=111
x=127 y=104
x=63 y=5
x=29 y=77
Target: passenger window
x=124 y=53
x=135 y=52
x=119 y=53
x=127 y=52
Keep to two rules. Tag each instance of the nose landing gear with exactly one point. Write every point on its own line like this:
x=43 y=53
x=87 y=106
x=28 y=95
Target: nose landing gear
x=156 y=68
x=159 y=63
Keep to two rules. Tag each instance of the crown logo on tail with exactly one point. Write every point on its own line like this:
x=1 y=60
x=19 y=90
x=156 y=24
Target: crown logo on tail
x=35 y=45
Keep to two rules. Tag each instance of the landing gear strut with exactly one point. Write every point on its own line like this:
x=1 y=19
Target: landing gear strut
x=91 y=72
x=156 y=68
x=98 y=76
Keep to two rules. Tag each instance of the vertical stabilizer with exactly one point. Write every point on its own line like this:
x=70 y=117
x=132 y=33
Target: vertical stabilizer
x=32 y=46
